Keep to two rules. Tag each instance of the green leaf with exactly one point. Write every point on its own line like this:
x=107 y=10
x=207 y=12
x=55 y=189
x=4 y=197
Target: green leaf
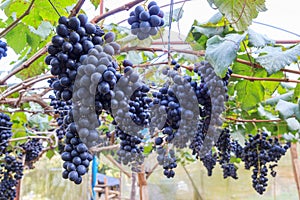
x=274 y=59
x=95 y=3
x=50 y=153
x=274 y=100
x=286 y=109
x=258 y=40
x=148 y=148
x=18 y=117
x=17 y=37
x=249 y=93
x=177 y=15
x=296 y=95
x=221 y=51
x=43 y=30
x=36 y=68
x=240 y=13
x=293 y=124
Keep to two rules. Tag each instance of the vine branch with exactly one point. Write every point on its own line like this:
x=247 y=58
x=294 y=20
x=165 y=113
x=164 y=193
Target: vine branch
x=15 y=23
x=253 y=120
x=33 y=98
x=250 y=78
x=24 y=85
x=127 y=6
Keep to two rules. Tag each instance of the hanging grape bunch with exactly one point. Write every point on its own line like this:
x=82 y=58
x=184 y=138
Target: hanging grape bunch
x=5 y=132
x=75 y=37
x=3 y=49
x=146 y=22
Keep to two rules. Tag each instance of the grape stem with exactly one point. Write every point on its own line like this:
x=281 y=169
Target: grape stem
x=127 y=6
x=15 y=23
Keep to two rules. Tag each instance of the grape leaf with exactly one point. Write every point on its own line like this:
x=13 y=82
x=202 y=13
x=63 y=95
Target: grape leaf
x=96 y=3
x=258 y=40
x=17 y=37
x=274 y=100
x=274 y=58
x=177 y=15
x=249 y=93
x=50 y=153
x=293 y=124
x=239 y=13
x=286 y=109
x=221 y=51
x=296 y=95
x=43 y=30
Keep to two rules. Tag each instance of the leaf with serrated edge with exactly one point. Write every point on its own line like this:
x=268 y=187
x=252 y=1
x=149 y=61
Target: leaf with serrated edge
x=276 y=59
x=240 y=13
x=286 y=109
x=221 y=51
x=258 y=40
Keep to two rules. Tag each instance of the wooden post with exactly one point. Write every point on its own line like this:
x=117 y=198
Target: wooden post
x=18 y=190
x=133 y=187
x=143 y=184
x=105 y=188
x=296 y=166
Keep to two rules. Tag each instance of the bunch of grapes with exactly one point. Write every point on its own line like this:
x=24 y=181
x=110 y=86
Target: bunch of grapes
x=168 y=160
x=11 y=171
x=211 y=94
x=145 y=23
x=226 y=149
x=130 y=151
x=96 y=79
x=76 y=156
x=75 y=37
x=259 y=151
x=3 y=49
x=5 y=132
x=32 y=148
x=61 y=109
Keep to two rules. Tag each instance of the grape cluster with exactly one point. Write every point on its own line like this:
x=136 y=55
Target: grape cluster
x=145 y=23
x=61 y=108
x=168 y=160
x=3 y=49
x=93 y=90
x=11 y=171
x=259 y=151
x=75 y=37
x=227 y=148
x=212 y=94
x=174 y=110
x=130 y=151
x=130 y=103
x=32 y=148
x=5 y=132
x=76 y=156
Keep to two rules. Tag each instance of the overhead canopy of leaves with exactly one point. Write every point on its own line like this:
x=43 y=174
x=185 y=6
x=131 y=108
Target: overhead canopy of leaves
x=276 y=59
x=239 y=13
x=221 y=51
